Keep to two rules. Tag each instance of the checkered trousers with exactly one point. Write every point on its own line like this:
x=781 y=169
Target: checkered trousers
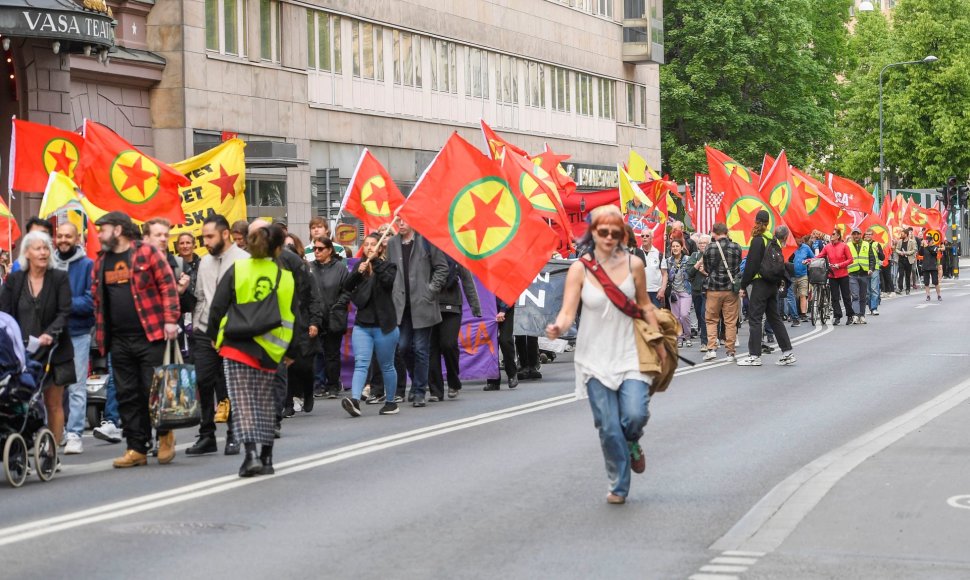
x=251 y=394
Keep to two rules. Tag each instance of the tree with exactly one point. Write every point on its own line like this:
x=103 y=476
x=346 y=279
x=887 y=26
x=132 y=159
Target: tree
x=749 y=77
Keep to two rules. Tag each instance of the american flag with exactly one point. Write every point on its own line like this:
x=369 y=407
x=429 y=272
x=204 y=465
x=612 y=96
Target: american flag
x=707 y=203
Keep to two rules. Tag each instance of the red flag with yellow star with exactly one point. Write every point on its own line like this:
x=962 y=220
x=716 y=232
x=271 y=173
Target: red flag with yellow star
x=36 y=150
x=116 y=176
x=739 y=208
x=9 y=230
x=467 y=205
x=721 y=167
x=496 y=145
x=778 y=189
x=372 y=196
x=881 y=234
x=552 y=163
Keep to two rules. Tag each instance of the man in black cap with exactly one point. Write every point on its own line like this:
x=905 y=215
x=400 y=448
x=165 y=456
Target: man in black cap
x=136 y=311
x=762 y=274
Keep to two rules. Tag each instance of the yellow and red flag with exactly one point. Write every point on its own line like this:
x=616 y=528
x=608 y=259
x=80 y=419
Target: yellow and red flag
x=372 y=196
x=218 y=186
x=881 y=234
x=720 y=167
x=118 y=177
x=740 y=207
x=36 y=150
x=551 y=162
x=61 y=193
x=777 y=188
x=470 y=207
x=496 y=146
x=689 y=205
x=849 y=193
x=918 y=216
x=9 y=230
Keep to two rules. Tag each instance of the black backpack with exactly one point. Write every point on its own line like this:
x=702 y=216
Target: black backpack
x=773 y=262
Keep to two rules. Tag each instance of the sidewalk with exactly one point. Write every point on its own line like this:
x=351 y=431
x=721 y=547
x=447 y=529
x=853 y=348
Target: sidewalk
x=903 y=513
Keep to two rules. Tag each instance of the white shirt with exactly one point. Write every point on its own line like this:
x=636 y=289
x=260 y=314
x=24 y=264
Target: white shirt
x=654 y=267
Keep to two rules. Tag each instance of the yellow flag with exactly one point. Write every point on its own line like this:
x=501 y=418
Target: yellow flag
x=639 y=169
x=628 y=191
x=63 y=193
x=218 y=187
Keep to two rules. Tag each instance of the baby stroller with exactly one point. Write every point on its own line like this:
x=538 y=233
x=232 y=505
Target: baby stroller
x=23 y=416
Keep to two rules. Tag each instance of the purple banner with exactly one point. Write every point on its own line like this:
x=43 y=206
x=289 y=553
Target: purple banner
x=477 y=340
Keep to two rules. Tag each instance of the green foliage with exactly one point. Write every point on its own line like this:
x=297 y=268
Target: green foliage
x=749 y=77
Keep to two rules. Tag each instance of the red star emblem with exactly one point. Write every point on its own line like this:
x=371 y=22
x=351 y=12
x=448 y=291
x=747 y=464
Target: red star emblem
x=135 y=176
x=485 y=217
x=226 y=184
x=62 y=161
x=746 y=219
x=378 y=196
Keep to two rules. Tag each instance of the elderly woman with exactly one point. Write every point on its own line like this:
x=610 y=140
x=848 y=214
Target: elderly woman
x=606 y=360
x=251 y=359
x=39 y=298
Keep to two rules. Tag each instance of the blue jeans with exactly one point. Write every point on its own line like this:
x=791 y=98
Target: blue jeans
x=77 y=394
x=858 y=287
x=366 y=341
x=111 y=398
x=791 y=306
x=620 y=417
x=653 y=298
x=700 y=311
x=874 y=290
x=415 y=345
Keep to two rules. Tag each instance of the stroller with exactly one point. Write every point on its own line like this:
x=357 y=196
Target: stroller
x=23 y=416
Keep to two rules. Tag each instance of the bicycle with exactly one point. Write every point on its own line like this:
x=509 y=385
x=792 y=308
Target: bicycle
x=820 y=297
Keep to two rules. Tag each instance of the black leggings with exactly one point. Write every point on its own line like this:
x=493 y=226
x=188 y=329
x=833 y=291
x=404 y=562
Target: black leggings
x=839 y=287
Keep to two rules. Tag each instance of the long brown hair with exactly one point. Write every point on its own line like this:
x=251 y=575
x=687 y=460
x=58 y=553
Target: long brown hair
x=758 y=229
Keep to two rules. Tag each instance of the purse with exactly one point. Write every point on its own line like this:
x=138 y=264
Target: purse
x=251 y=319
x=645 y=336
x=173 y=402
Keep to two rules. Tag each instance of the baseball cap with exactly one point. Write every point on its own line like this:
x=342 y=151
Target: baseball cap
x=115 y=218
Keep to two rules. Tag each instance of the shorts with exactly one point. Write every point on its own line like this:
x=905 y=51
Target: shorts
x=931 y=274
x=801 y=286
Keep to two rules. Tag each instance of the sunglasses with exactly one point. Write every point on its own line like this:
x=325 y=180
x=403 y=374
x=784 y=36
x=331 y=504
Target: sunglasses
x=608 y=233
x=320 y=248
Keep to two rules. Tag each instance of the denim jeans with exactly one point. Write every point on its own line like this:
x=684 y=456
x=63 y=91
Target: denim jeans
x=366 y=341
x=111 y=398
x=874 y=290
x=620 y=417
x=791 y=305
x=700 y=311
x=415 y=345
x=77 y=394
x=858 y=288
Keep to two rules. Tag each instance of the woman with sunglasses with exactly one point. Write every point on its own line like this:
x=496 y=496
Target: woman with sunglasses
x=840 y=258
x=606 y=359
x=329 y=272
x=680 y=290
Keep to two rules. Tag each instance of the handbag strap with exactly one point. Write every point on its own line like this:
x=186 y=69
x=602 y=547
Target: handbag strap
x=724 y=260
x=613 y=292
x=172 y=345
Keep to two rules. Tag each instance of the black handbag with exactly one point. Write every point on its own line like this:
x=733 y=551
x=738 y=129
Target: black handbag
x=251 y=319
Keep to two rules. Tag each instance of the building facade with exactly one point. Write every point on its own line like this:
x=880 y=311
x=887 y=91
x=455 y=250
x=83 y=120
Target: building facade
x=310 y=84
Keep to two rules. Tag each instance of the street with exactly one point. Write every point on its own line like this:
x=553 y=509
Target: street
x=511 y=484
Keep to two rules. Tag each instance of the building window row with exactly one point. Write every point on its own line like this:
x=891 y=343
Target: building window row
x=323 y=42
x=225 y=28
x=597 y=7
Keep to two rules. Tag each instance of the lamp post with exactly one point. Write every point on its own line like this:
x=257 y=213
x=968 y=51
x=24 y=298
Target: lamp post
x=882 y=160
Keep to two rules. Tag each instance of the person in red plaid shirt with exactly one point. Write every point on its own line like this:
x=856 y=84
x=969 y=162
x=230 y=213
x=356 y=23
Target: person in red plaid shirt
x=136 y=310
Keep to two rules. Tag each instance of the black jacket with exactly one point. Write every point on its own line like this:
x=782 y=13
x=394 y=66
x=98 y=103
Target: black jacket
x=374 y=293
x=54 y=309
x=306 y=303
x=330 y=279
x=449 y=299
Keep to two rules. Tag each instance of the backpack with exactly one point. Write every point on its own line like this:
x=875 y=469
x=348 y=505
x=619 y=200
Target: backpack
x=773 y=262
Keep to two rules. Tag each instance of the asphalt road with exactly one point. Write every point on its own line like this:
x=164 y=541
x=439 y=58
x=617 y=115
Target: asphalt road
x=506 y=484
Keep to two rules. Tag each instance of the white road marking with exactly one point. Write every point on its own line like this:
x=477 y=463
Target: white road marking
x=712 y=577
x=723 y=569
x=769 y=523
x=735 y=561
x=742 y=553
x=960 y=295
x=927 y=305
x=960 y=501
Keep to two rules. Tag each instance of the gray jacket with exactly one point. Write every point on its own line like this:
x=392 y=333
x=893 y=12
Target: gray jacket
x=907 y=249
x=427 y=273
x=211 y=270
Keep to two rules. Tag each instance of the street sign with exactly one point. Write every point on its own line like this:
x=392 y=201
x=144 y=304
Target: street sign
x=936 y=236
x=345 y=233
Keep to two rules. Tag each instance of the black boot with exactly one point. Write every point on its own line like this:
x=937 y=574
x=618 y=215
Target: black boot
x=266 y=458
x=251 y=465
x=232 y=446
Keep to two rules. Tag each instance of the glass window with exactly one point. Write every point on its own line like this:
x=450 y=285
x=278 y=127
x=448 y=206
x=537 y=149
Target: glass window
x=355 y=45
x=560 y=89
x=225 y=22
x=606 y=98
x=506 y=79
x=631 y=104
x=476 y=73
x=584 y=94
x=536 y=85
x=265 y=193
x=338 y=66
x=311 y=40
x=407 y=59
x=643 y=106
x=323 y=40
x=379 y=53
x=212 y=24
x=604 y=8
x=269 y=37
x=367 y=50
x=444 y=66
x=368 y=45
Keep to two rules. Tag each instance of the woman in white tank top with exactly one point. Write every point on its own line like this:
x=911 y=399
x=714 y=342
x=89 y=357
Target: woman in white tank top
x=607 y=364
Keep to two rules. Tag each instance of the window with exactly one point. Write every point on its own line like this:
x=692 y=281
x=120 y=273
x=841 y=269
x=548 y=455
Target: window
x=643 y=106
x=444 y=66
x=323 y=38
x=476 y=73
x=631 y=104
x=535 y=85
x=560 y=89
x=507 y=79
x=407 y=59
x=584 y=94
x=265 y=193
x=368 y=47
x=225 y=26
x=606 y=98
x=604 y=8
x=269 y=30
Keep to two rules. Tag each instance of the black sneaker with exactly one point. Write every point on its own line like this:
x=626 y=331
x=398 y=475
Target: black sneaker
x=535 y=375
x=837 y=322
x=376 y=400
x=770 y=338
x=797 y=322
x=389 y=409
x=419 y=400
x=288 y=412
x=352 y=406
x=319 y=392
x=398 y=399
x=513 y=382
x=492 y=387
x=205 y=444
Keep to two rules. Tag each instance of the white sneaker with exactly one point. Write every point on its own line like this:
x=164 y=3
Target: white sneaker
x=74 y=445
x=860 y=320
x=787 y=360
x=730 y=358
x=710 y=355
x=750 y=361
x=297 y=404
x=109 y=432
x=688 y=343
x=875 y=312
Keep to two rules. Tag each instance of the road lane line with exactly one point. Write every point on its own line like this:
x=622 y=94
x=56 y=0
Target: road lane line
x=769 y=523
x=734 y=560
x=723 y=569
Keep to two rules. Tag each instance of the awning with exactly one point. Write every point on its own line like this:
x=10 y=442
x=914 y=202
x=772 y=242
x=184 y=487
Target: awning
x=61 y=20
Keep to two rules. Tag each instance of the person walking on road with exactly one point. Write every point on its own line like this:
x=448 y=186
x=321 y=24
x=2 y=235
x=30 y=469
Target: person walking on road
x=606 y=360
x=839 y=257
x=680 y=290
x=722 y=261
x=863 y=263
x=764 y=271
x=928 y=253
x=906 y=250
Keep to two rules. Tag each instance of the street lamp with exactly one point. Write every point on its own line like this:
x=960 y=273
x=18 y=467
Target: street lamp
x=930 y=59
